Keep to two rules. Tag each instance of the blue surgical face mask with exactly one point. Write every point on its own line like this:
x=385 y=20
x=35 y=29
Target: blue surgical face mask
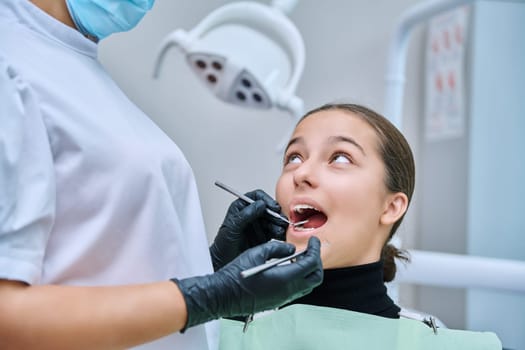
x=100 y=18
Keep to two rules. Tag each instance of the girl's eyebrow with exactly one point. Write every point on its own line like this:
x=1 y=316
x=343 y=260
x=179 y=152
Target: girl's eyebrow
x=298 y=139
x=331 y=139
x=336 y=139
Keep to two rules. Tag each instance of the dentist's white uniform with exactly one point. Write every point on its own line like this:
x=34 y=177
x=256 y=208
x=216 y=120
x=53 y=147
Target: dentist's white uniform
x=92 y=192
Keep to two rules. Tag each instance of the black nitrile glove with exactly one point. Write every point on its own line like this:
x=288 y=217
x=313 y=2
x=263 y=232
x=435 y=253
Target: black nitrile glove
x=226 y=294
x=245 y=226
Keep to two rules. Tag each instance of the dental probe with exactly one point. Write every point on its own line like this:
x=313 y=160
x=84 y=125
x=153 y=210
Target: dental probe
x=263 y=267
x=249 y=200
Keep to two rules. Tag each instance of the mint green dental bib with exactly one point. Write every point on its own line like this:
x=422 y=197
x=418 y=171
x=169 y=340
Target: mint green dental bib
x=306 y=327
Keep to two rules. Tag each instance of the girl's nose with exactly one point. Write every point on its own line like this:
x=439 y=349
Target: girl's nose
x=305 y=175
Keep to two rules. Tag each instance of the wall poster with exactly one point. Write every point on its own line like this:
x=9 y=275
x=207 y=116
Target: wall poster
x=445 y=90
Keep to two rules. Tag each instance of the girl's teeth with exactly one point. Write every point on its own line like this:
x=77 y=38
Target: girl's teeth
x=303 y=229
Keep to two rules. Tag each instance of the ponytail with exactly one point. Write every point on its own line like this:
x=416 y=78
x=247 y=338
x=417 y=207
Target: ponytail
x=388 y=255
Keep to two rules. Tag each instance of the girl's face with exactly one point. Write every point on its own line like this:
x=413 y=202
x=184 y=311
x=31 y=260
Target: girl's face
x=333 y=176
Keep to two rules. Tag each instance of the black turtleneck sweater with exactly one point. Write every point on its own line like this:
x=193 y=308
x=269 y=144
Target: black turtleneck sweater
x=357 y=288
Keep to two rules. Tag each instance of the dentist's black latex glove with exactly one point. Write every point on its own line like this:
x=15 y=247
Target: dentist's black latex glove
x=245 y=226
x=226 y=294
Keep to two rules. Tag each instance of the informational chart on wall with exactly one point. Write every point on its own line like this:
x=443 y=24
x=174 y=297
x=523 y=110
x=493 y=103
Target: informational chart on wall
x=445 y=89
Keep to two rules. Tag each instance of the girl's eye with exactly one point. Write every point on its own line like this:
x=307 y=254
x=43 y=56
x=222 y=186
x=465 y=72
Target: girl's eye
x=341 y=158
x=293 y=159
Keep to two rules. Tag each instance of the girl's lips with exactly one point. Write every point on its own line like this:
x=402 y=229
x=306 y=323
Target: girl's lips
x=301 y=232
x=298 y=236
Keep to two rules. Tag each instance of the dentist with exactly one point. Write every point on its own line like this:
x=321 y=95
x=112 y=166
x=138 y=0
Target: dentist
x=101 y=230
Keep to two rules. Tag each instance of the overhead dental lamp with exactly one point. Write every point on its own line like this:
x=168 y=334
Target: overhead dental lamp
x=246 y=53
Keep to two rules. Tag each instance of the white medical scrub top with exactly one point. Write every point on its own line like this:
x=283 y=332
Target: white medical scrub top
x=92 y=192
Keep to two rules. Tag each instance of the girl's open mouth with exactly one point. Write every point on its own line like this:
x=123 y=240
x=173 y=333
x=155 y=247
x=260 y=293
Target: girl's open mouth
x=315 y=217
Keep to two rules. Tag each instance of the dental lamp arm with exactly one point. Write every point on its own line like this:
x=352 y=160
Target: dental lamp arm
x=285 y=6
x=178 y=38
x=271 y=23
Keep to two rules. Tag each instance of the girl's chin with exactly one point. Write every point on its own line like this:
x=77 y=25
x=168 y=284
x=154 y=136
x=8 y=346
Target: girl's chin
x=301 y=243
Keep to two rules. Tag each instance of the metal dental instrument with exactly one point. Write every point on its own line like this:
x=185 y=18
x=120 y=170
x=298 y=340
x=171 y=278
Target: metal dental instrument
x=255 y=270
x=247 y=321
x=249 y=200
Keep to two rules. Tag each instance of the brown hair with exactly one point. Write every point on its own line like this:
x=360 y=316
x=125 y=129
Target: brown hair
x=400 y=170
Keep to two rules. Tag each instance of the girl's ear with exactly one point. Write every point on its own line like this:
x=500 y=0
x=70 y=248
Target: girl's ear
x=396 y=206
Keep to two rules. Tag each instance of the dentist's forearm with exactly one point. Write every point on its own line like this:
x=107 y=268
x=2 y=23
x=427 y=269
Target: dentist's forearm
x=62 y=317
